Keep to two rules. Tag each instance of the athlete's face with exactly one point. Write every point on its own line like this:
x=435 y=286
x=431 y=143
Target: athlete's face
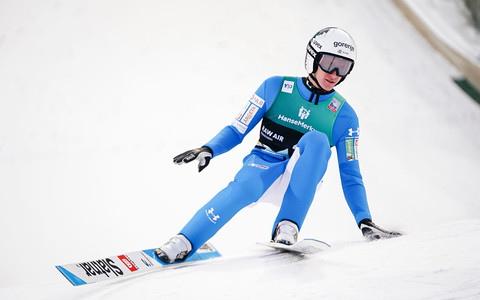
x=327 y=80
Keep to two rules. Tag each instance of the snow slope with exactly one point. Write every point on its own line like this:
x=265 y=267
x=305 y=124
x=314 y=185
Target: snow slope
x=96 y=97
x=402 y=268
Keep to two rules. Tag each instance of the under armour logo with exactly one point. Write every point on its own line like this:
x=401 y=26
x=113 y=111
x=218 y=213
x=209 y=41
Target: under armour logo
x=351 y=131
x=211 y=215
x=303 y=113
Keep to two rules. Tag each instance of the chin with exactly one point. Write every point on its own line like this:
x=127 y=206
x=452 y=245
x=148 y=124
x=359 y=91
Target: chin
x=329 y=87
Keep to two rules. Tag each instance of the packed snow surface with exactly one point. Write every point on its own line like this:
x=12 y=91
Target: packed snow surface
x=96 y=97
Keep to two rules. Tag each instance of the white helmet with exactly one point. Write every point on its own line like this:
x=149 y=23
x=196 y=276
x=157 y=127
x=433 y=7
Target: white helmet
x=331 y=40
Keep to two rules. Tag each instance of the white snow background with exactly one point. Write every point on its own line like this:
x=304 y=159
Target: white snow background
x=96 y=97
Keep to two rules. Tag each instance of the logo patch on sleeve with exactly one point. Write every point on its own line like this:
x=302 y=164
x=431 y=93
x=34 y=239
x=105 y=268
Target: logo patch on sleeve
x=355 y=147
x=250 y=112
x=245 y=116
x=257 y=101
x=351 y=146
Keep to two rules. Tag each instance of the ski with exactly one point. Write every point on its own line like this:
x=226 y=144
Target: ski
x=127 y=264
x=305 y=246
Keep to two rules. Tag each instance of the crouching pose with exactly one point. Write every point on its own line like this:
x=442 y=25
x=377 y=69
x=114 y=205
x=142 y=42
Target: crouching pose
x=302 y=118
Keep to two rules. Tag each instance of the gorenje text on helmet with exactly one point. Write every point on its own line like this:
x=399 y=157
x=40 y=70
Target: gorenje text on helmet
x=345 y=45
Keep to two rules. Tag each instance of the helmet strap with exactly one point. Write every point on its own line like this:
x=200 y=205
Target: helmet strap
x=317 y=88
x=316 y=92
x=343 y=78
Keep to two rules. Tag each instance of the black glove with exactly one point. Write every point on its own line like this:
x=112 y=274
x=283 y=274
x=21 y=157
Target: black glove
x=202 y=154
x=373 y=232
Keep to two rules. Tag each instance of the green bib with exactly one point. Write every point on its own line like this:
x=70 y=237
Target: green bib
x=291 y=116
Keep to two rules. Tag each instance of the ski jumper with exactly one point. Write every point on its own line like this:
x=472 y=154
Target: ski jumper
x=290 y=158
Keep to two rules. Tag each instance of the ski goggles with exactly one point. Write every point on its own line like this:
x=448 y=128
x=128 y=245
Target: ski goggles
x=329 y=63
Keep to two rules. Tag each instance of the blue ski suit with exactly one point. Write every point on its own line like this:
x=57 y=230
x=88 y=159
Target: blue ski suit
x=287 y=164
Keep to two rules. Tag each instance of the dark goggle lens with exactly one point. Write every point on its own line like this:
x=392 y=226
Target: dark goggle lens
x=330 y=63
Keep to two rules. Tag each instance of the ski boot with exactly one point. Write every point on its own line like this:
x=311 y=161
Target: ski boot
x=286 y=233
x=176 y=249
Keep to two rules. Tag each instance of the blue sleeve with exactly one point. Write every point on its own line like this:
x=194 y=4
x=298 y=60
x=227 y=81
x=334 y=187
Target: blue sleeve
x=346 y=137
x=232 y=135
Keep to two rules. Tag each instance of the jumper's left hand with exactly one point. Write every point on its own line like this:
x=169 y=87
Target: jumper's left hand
x=372 y=232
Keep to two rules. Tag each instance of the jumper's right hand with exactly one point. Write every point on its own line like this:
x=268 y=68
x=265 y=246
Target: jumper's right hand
x=202 y=154
x=373 y=232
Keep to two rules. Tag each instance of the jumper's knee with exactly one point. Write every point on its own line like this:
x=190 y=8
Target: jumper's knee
x=315 y=143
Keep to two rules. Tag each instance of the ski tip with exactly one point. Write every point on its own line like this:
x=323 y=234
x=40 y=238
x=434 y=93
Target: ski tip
x=74 y=280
